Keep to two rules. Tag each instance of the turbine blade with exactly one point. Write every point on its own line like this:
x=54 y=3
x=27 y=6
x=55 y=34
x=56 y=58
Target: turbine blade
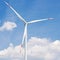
x=24 y=35
x=40 y=20
x=19 y=16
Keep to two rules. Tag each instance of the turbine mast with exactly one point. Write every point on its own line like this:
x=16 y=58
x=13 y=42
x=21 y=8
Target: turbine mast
x=26 y=43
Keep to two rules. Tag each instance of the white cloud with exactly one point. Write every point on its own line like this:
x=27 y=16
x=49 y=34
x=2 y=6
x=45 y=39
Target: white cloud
x=12 y=51
x=38 y=48
x=44 y=49
x=8 y=26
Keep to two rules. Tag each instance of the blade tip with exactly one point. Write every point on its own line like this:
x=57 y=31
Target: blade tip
x=50 y=18
x=5 y=2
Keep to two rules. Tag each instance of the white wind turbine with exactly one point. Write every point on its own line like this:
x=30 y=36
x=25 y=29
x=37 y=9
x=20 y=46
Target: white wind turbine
x=26 y=24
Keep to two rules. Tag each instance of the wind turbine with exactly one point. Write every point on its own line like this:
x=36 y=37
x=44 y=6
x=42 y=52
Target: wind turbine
x=26 y=24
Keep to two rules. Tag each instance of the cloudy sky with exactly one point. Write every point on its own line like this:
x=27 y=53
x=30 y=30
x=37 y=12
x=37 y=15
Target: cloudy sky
x=43 y=37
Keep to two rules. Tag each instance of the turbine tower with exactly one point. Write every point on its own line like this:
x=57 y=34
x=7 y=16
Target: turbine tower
x=26 y=24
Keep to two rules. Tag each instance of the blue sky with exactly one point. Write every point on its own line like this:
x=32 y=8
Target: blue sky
x=30 y=10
